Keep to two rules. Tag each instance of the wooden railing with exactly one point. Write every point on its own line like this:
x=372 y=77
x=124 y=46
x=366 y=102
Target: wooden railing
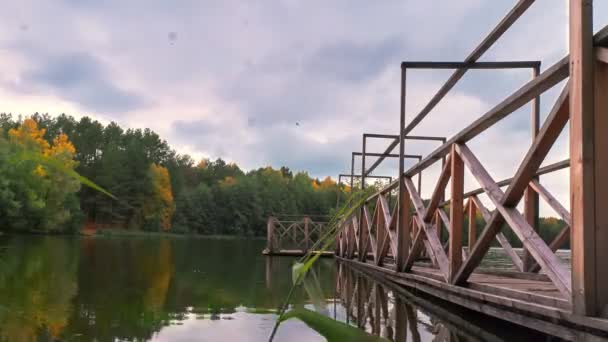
x=291 y=236
x=412 y=228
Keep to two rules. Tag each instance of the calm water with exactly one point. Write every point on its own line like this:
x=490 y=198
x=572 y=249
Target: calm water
x=160 y=289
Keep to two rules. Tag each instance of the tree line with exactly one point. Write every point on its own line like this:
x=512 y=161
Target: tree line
x=156 y=188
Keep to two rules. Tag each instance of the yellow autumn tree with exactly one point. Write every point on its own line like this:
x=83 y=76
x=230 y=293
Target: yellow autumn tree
x=161 y=205
x=30 y=136
x=327 y=183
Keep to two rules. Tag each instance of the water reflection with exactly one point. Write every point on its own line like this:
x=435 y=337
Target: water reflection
x=140 y=289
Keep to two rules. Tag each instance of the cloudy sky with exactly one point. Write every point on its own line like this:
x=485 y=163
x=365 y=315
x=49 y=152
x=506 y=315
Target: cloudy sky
x=280 y=82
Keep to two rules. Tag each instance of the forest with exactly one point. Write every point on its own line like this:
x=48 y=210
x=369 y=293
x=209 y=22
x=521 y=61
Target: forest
x=155 y=187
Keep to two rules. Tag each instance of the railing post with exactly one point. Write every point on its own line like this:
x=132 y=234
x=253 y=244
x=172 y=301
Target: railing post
x=588 y=166
x=270 y=234
x=472 y=225
x=403 y=222
x=306 y=236
x=531 y=208
x=456 y=212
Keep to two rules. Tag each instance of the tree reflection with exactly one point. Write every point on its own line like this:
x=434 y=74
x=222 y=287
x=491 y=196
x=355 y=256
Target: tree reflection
x=37 y=284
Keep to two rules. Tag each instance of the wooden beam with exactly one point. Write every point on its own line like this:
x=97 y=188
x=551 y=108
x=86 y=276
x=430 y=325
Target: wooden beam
x=473 y=65
x=546 y=80
x=429 y=231
x=541 y=171
x=456 y=215
x=550 y=263
x=472 y=216
x=516 y=12
x=502 y=240
x=531 y=205
x=548 y=134
x=588 y=166
x=404 y=216
x=439 y=191
x=552 y=201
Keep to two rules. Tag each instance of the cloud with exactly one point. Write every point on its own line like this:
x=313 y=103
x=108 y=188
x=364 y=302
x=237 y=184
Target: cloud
x=241 y=74
x=80 y=78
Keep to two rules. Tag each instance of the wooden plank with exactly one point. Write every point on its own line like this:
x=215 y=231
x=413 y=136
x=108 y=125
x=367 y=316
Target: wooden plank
x=551 y=320
x=429 y=231
x=488 y=41
x=588 y=188
x=456 y=215
x=439 y=191
x=549 y=262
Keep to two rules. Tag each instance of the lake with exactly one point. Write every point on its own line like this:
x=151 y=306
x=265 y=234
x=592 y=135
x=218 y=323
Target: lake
x=179 y=289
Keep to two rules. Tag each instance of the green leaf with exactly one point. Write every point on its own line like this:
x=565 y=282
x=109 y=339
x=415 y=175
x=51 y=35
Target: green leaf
x=332 y=330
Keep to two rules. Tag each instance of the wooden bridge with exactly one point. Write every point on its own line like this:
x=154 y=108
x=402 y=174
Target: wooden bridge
x=293 y=235
x=417 y=242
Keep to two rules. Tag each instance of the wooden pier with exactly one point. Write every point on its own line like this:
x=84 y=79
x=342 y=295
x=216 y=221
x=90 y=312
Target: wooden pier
x=293 y=237
x=417 y=242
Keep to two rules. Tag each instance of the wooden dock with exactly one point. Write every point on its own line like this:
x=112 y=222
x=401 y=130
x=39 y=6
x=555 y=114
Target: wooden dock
x=294 y=252
x=418 y=242
x=293 y=237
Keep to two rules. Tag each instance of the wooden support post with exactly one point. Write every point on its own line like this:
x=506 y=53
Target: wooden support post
x=456 y=212
x=531 y=208
x=403 y=222
x=306 y=233
x=270 y=235
x=588 y=166
x=472 y=213
x=352 y=172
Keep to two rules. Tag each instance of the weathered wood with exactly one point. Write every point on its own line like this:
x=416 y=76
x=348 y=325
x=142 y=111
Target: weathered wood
x=473 y=65
x=456 y=215
x=472 y=217
x=552 y=320
x=541 y=171
x=531 y=205
x=587 y=188
x=429 y=231
x=488 y=41
x=442 y=182
x=529 y=238
x=404 y=216
x=552 y=201
x=601 y=53
x=548 y=134
x=546 y=80
x=502 y=240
